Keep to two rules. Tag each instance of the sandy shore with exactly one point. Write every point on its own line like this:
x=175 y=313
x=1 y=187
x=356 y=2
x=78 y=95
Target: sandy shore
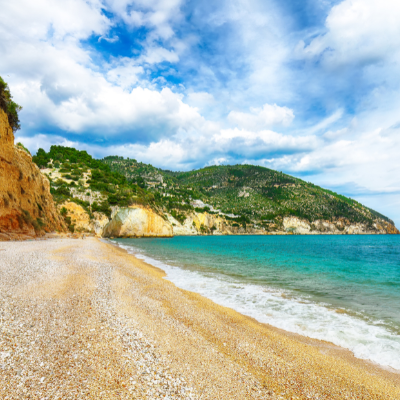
x=81 y=319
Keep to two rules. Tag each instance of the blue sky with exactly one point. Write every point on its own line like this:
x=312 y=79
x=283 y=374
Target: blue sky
x=307 y=87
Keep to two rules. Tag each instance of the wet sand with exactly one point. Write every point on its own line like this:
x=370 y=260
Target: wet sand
x=82 y=319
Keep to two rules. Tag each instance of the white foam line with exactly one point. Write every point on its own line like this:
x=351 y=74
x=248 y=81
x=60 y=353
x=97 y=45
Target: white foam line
x=267 y=305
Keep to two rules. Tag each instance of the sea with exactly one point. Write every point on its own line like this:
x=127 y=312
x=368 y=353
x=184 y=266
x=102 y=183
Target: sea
x=341 y=289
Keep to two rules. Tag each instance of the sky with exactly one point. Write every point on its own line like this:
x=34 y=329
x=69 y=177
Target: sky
x=307 y=87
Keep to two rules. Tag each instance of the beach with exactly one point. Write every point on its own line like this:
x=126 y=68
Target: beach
x=84 y=319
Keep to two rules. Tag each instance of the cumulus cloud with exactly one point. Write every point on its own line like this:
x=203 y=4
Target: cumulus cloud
x=261 y=118
x=358 y=31
x=157 y=15
x=125 y=73
x=51 y=20
x=60 y=86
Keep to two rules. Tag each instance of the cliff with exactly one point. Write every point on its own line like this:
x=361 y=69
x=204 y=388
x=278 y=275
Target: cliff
x=26 y=205
x=137 y=221
x=204 y=223
x=81 y=220
x=218 y=200
x=337 y=226
x=197 y=223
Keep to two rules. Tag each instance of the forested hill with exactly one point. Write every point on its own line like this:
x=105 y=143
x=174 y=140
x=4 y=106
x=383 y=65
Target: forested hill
x=252 y=192
x=239 y=199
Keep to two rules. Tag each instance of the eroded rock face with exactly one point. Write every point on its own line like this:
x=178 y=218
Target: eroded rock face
x=295 y=225
x=81 y=220
x=185 y=229
x=340 y=226
x=26 y=206
x=137 y=222
x=98 y=223
x=205 y=223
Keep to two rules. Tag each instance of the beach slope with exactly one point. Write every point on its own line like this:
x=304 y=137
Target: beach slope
x=82 y=319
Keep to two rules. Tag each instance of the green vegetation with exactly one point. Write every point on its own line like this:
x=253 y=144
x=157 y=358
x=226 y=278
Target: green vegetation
x=9 y=106
x=252 y=194
x=38 y=224
x=21 y=146
x=82 y=176
x=246 y=195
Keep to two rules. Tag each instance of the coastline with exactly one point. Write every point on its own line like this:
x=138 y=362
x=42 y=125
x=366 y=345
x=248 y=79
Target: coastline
x=21 y=237
x=321 y=344
x=212 y=351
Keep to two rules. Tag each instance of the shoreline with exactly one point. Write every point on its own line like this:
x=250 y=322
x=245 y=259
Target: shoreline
x=108 y=325
x=322 y=346
x=21 y=237
x=216 y=290
x=318 y=343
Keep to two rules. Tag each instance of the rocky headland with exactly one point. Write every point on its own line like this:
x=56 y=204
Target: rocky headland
x=27 y=208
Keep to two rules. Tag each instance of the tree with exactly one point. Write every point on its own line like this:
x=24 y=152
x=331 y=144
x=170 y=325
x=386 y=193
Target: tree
x=9 y=106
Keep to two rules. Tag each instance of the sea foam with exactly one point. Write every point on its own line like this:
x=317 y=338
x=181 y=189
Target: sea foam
x=279 y=308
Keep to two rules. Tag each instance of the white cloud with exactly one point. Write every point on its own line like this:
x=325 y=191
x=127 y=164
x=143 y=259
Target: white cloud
x=326 y=122
x=358 y=31
x=114 y=39
x=58 y=84
x=332 y=135
x=156 y=14
x=200 y=99
x=52 y=20
x=125 y=73
x=261 y=118
x=156 y=55
x=243 y=141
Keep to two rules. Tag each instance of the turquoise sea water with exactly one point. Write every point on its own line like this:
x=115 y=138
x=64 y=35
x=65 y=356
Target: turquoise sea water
x=344 y=289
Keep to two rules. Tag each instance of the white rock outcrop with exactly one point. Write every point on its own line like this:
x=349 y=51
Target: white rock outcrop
x=295 y=225
x=185 y=229
x=339 y=226
x=137 y=221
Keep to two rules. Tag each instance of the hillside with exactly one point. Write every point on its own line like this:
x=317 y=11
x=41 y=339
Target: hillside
x=123 y=197
x=250 y=195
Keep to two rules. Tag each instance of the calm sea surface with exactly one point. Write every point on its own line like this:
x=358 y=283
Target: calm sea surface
x=344 y=289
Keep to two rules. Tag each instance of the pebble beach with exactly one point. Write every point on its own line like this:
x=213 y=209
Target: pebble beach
x=83 y=319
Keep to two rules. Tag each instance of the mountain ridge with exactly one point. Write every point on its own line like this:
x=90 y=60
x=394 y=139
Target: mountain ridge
x=238 y=199
x=273 y=190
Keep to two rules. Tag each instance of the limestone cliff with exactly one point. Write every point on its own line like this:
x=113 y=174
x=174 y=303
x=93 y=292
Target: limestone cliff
x=81 y=220
x=26 y=205
x=137 y=221
x=204 y=223
x=338 y=226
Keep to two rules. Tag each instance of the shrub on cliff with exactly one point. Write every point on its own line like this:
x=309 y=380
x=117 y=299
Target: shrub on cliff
x=21 y=146
x=103 y=207
x=9 y=106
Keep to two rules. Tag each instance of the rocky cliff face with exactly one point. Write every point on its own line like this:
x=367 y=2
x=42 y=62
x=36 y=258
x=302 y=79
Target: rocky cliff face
x=340 y=226
x=26 y=205
x=204 y=223
x=137 y=221
x=141 y=221
x=81 y=220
